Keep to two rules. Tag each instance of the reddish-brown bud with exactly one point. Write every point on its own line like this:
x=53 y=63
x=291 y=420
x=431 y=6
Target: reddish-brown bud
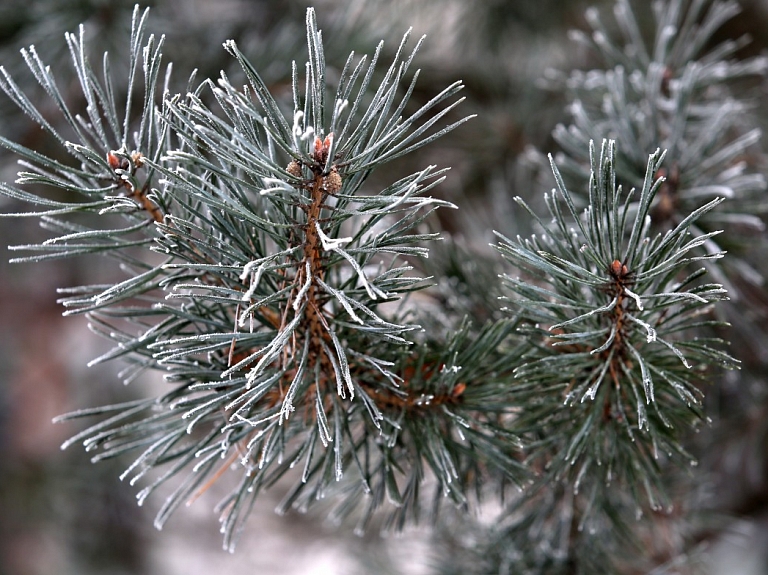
x=618 y=270
x=116 y=162
x=322 y=149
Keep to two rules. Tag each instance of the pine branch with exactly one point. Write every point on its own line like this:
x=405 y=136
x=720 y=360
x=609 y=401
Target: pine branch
x=108 y=151
x=679 y=93
x=280 y=292
x=266 y=313
x=610 y=322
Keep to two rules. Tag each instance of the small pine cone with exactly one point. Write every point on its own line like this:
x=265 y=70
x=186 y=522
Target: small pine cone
x=138 y=159
x=332 y=181
x=294 y=169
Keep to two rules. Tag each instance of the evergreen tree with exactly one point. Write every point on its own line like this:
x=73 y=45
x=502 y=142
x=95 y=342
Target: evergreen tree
x=312 y=329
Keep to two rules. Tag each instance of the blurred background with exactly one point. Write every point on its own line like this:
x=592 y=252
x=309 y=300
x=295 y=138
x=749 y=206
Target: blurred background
x=61 y=514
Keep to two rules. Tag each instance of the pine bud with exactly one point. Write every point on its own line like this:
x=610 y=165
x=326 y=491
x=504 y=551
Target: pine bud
x=116 y=162
x=618 y=271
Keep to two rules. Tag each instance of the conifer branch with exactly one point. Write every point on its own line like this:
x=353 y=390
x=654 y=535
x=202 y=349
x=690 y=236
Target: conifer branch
x=278 y=289
x=605 y=308
x=266 y=313
x=677 y=93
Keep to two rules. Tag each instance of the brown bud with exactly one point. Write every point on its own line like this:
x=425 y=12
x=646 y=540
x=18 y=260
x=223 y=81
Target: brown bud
x=294 y=169
x=618 y=270
x=116 y=162
x=458 y=390
x=322 y=149
x=113 y=161
x=332 y=181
